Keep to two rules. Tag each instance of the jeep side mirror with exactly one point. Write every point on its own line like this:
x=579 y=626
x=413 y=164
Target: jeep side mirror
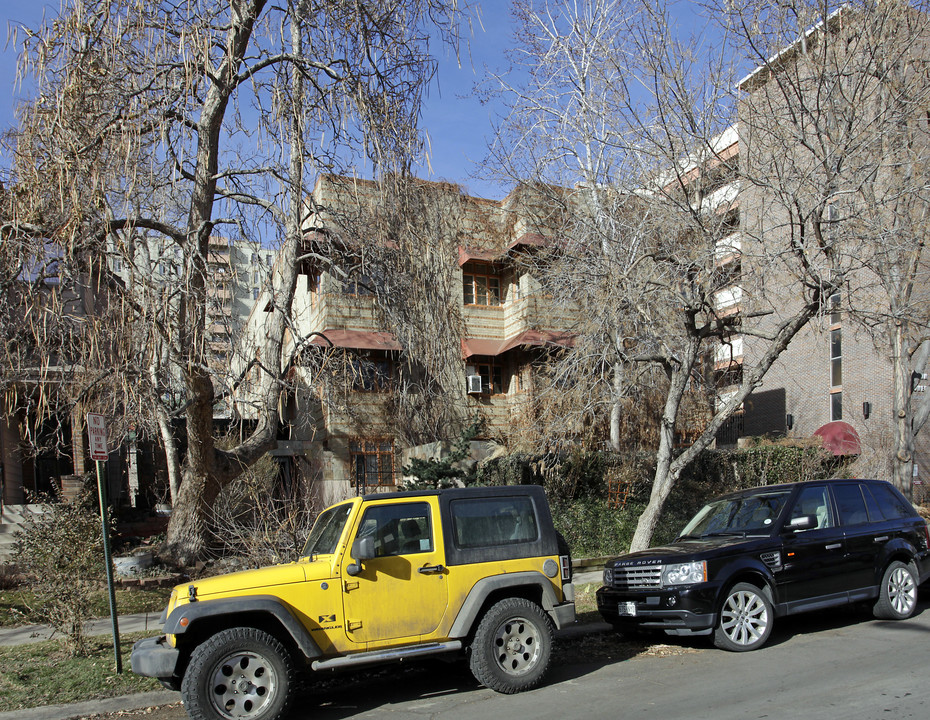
x=362 y=549
x=803 y=522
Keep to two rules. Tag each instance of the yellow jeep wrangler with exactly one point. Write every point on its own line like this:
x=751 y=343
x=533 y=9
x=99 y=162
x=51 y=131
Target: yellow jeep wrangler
x=382 y=578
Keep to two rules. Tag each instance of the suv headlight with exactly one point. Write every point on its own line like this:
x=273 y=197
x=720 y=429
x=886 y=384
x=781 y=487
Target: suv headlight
x=608 y=576
x=684 y=573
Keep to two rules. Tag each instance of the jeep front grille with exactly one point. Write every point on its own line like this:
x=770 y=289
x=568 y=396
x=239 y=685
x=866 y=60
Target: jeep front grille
x=643 y=577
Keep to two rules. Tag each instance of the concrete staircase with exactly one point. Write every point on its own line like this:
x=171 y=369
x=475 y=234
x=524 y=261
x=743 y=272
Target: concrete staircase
x=12 y=519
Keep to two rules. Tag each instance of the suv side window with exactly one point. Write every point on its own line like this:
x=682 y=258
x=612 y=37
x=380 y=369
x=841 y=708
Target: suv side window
x=814 y=501
x=889 y=503
x=398 y=529
x=486 y=522
x=850 y=503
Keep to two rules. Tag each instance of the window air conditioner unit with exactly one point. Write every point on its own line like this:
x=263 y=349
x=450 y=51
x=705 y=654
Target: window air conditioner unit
x=474 y=384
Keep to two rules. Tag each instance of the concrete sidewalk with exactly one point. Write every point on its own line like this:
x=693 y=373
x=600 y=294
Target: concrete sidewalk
x=140 y=622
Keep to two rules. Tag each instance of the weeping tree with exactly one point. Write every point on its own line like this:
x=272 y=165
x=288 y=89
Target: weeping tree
x=173 y=125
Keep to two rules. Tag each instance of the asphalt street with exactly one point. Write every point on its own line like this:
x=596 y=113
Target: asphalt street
x=817 y=667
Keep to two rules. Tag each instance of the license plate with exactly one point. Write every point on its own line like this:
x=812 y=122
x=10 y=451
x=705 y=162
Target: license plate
x=627 y=608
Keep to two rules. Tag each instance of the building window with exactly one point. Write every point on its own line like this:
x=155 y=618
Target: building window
x=359 y=285
x=372 y=463
x=254 y=257
x=493 y=379
x=371 y=373
x=836 y=357
x=481 y=284
x=836 y=314
x=255 y=293
x=836 y=405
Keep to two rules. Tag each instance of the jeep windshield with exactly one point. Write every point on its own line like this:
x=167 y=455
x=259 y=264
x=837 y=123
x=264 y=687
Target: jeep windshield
x=326 y=531
x=737 y=516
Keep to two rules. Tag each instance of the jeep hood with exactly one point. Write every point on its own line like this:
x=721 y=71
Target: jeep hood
x=265 y=577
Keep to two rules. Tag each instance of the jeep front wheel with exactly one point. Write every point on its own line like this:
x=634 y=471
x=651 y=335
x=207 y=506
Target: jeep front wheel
x=238 y=673
x=512 y=646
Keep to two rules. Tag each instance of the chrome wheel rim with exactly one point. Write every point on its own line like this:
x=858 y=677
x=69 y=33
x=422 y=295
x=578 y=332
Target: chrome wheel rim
x=744 y=618
x=902 y=591
x=516 y=646
x=242 y=685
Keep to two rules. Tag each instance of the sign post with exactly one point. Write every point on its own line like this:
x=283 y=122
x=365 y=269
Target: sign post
x=97 y=437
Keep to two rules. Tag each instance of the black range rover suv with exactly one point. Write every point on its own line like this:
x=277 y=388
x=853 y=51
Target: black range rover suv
x=754 y=555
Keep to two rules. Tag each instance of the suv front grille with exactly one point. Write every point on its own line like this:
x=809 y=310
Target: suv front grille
x=643 y=577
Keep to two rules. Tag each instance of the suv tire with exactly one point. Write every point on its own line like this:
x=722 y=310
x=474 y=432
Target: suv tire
x=897 y=595
x=745 y=621
x=239 y=673
x=512 y=646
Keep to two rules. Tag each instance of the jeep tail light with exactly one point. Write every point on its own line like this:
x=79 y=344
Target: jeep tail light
x=927 y=535
x=566 y=568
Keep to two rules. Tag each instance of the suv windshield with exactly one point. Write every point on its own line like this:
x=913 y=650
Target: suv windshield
x=326 y=531
x=743 y=515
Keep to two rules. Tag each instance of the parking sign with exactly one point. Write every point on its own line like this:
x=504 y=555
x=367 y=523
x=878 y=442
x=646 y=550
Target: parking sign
x=97 y=436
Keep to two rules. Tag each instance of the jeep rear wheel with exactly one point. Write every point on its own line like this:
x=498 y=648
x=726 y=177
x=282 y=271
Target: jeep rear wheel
x=512 y=646
x=238 y=673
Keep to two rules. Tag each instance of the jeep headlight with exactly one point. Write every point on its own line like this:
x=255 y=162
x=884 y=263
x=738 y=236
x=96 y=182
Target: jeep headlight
x=684 y=573
x=608 y=576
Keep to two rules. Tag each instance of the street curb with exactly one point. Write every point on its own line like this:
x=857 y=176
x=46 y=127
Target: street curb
x=93 y=707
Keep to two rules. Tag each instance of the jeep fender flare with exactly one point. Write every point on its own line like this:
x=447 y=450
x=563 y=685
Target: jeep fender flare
x=233 y=609
x=482 y=589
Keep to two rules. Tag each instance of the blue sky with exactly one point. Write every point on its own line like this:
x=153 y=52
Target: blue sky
x=459 y=127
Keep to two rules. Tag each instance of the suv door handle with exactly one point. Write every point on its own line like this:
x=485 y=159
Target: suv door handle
x=431 y=569
x=881 y=539
x=834 y=546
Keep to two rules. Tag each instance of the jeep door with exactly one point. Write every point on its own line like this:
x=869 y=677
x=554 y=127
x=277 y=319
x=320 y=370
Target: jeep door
x=401 y=592
x=813 y=562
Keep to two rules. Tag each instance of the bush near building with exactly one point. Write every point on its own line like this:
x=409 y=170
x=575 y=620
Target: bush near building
x=597 y=496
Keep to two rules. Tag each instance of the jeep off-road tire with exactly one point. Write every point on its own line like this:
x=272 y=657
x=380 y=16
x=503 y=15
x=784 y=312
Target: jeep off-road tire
x=512 y=646
x=897 y=595
x=239 y=673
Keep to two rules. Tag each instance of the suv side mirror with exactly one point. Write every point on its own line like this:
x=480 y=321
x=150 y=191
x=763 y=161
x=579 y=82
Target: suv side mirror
x=804 y=522
x=362 y=549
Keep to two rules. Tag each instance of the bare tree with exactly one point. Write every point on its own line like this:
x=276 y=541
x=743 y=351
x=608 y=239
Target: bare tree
x=177 y=124
x=637 y=121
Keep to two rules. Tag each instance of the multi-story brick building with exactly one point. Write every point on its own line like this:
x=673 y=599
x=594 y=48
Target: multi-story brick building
x=491 y=318
x=836 y=379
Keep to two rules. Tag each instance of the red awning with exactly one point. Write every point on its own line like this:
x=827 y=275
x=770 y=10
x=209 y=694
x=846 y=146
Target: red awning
x=539 y=337
x=482 y=254
x=839 y=437
x=481 y=346
x=528 y=240
x=358 y=339
x=489 y=346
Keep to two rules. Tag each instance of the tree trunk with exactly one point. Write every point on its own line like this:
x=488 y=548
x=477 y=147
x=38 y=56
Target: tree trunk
x=665 y=477
x=903 y=460
x=615 y=409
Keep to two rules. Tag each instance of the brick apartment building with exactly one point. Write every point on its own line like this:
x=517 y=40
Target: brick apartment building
x=498 y=323
x=836 y=379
